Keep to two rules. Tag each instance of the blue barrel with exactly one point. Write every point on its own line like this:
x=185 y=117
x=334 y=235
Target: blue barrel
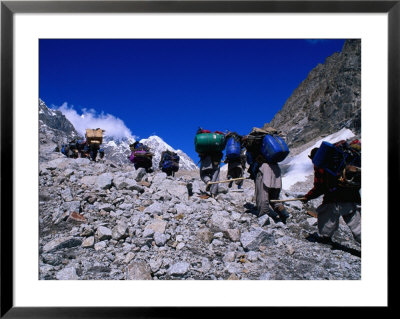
x=274 y=149
x=232 y=148
x=330 y=158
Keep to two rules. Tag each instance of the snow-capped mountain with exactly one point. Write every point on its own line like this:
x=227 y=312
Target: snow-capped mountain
x=157 y=146
x=56 y=129
x=117 y=150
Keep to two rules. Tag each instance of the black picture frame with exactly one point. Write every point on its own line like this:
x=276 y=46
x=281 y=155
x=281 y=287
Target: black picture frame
x=9 y=8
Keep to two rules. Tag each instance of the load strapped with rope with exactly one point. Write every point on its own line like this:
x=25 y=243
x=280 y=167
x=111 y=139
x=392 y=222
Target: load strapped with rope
x=169 y=161
x=141 y=154
x=94 y=136
x=342 y=160
x=207 y=142
x=268 y=142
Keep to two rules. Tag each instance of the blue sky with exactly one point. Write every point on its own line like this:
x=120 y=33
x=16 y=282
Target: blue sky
x=171 y=87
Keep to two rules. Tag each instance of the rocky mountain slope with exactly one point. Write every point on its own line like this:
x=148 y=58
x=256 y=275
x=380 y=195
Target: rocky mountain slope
x=328 y=100
x=109 y=221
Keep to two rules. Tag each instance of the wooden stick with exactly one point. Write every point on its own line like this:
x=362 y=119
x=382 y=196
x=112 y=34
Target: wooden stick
x=286 y=200
x=226 y=181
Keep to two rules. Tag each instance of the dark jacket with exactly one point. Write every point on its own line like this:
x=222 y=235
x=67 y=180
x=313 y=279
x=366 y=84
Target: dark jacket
x=326 y=184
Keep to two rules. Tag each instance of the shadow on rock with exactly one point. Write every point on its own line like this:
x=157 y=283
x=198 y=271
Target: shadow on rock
x=315 y=238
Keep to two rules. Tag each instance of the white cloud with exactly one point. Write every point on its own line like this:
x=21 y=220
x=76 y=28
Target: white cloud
x=113 y=126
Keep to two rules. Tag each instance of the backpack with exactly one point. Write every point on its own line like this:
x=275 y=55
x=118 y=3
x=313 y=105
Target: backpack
x=342 y=161
x=170 y=161
x=64 y=149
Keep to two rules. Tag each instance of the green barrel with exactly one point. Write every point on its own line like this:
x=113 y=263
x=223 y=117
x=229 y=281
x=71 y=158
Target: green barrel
x=209 y=142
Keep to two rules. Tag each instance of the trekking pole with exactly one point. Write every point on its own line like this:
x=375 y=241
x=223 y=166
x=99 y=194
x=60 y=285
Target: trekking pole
x=286 y=200
x=226 y=181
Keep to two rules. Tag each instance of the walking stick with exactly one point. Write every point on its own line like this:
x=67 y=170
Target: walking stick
x=226 y=181
x=286 y=200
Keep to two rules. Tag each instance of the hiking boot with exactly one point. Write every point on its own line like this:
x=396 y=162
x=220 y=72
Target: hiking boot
x=284 y=215
x=208 y=187
x=230 y=184
x=239 y=186
x=274 y=216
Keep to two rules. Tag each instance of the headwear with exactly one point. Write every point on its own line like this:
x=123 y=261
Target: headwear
x=313 y=152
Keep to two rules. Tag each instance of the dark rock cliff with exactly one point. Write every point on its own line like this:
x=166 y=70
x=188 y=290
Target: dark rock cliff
x=328 y=100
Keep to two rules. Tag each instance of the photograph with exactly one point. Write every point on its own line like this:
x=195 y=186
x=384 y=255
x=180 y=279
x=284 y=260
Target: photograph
x=199 y=159
x=166 y=158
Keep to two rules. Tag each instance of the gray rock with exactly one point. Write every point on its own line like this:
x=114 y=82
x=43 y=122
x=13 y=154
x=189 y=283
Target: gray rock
x=100 y=246
x=68 y=273
x=178 y=269
x=104 y=181
x=88 y=180
x=60 y=243
x=74 y=206
x=148 y=233
x=120 y=231
x=233 y=234
x=253 y=239
x=229 y=257
x=88 y=242
x=205 y=235
x=220 y=222
x=138 y=270
x=157 y=225
x=160 y=239
x=155 y=208
x=139 y=174
x=103 y=233
x=233 y=268
x=129 y=257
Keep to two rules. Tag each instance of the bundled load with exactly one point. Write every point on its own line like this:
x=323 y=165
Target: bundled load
x=342 y=160
x=141 y=155
x=169 y=161
x=207 y=142
x=268 y=142
x=94 y=136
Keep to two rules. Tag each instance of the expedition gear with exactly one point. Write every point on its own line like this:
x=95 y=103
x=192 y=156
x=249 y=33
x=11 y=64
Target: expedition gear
x=342 y=161
x=339 y=198
x=169 y=162
x=233 y=146
x=264 y=145
x=65 y=149
x=235 y=158
x=274 y=148
x=209 y=142
x=141 y=156
x=94 y=136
